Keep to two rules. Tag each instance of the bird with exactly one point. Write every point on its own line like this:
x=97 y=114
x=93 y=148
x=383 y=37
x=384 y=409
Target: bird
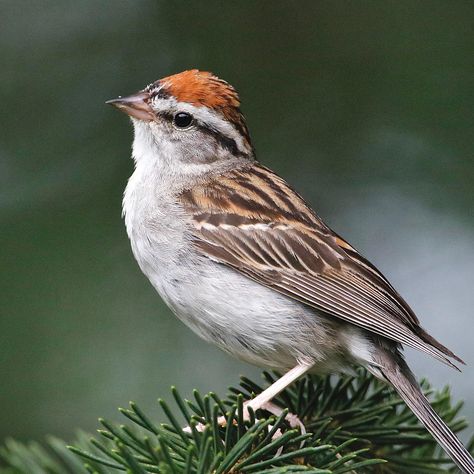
x=244 y=261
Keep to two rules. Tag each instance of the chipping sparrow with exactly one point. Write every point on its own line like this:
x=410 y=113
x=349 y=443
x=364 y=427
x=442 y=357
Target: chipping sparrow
x=241 y=258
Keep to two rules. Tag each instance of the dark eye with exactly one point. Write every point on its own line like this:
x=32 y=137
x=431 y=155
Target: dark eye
x=183 y=119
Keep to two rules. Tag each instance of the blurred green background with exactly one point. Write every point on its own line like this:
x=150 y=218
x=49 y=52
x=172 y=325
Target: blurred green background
x=366 y=107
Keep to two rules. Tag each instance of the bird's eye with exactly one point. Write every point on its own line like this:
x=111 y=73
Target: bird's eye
x=183 y=119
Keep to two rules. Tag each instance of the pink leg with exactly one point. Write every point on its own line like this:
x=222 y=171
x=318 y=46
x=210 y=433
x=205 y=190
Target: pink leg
x=262 y=400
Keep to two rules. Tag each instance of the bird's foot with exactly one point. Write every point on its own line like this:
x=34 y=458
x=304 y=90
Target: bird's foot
x=291 y=418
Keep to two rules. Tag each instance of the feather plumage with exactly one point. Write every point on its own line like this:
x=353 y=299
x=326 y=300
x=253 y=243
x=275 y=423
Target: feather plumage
x=251 y=220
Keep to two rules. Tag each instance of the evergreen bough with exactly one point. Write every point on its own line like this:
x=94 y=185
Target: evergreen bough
x=355 y=424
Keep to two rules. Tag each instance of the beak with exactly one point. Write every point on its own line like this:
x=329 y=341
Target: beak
x=136 y=105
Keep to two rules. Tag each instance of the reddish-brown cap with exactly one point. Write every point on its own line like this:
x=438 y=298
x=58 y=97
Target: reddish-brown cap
x=200 y=88
x=204 y=89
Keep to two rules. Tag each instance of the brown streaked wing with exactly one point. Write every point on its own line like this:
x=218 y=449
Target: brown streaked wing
x=296 y=254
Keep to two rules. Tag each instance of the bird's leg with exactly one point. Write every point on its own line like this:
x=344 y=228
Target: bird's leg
x=263 y=400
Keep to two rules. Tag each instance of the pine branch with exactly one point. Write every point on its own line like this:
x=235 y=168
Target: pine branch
x=355 y=424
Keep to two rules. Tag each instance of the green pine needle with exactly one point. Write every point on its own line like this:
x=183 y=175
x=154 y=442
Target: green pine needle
x=354 y=424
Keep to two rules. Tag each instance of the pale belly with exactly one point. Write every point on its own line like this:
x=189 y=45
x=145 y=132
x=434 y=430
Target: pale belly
x=253 y=323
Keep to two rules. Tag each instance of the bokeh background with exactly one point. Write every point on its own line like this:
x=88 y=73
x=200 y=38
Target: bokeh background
x=366 y=107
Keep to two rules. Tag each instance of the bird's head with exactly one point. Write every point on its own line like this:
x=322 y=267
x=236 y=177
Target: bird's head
x=192 y=117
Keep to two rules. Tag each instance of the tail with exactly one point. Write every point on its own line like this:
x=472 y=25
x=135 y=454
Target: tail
x=399 y=375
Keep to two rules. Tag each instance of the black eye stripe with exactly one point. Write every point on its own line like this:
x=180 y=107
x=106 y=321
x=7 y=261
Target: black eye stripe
x=224 y=141
x=165 y=116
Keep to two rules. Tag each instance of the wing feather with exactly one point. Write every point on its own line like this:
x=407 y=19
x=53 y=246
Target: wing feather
x=296 y=254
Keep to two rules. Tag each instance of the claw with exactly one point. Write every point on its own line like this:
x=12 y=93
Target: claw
x=291 y=418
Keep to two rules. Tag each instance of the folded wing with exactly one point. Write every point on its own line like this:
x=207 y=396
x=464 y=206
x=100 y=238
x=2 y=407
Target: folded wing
x=246 y=223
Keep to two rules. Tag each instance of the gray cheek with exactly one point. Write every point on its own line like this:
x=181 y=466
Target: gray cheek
x=186 y=146
x=194 y=147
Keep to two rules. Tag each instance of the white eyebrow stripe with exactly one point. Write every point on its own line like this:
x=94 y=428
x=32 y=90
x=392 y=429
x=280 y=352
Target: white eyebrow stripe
x=202 y=114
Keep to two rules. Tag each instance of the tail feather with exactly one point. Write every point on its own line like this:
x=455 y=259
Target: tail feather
x=400 y=376
x=434 y=342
